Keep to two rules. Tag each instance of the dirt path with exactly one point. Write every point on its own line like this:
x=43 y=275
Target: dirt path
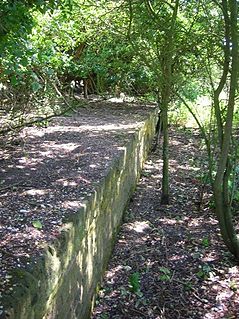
x=169 y=262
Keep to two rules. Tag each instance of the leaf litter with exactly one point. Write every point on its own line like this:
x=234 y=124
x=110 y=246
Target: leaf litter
x=47 y=172
x=173 y=254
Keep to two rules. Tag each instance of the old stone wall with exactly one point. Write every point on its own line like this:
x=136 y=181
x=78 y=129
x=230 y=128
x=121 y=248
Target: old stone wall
x=63 y=281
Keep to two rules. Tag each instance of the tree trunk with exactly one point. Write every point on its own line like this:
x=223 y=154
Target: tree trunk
x=85 y=88
x=225 y=71
x=220 y=187
x=165 y=179
x=166 y=88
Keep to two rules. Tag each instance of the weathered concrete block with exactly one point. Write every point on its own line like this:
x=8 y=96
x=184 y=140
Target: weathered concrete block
x=63 y=282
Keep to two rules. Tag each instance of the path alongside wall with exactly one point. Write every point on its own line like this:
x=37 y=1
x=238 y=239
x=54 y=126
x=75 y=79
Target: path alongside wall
x=63 y=281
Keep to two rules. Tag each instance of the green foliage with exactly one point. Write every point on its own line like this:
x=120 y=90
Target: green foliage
x=134 y=282
x=205 y=242
x=188 y=286
x=233 y=285
x=179 y=116
x=233 y=182
x=41 y=42
x=166 y=274
x=37 y=224
x=204 y=272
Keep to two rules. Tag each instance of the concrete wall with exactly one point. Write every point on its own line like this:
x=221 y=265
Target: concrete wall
x=62 y=283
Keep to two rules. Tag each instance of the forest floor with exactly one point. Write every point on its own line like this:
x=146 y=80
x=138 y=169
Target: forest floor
x=169 y=261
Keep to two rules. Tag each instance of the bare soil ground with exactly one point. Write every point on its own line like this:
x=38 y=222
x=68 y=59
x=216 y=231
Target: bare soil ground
x=169 y=261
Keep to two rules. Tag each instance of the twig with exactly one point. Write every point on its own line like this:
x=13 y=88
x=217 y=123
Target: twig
x=47 y=118
x=200 y=299
x=6 y=253
x=9 y=186
x=138 y=312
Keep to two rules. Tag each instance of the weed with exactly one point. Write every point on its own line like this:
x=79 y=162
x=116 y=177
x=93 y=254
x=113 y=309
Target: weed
x=124 y=292
x=204 y=272
x=188 y=286
x=211 y=204
x=165 y=274
x=233 y=285
x=205 y=242
x=37 y=224
x=146 y=174
x=41 y=122
x=134 y=282
x=140 y=301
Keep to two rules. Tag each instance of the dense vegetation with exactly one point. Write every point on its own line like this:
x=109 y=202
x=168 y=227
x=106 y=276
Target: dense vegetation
x=182 y=54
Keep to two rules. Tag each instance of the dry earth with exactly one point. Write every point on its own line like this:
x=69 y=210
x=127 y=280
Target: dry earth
x=169 y=261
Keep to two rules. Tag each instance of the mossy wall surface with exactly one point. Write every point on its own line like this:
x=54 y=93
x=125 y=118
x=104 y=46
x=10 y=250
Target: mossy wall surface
x=62 y=283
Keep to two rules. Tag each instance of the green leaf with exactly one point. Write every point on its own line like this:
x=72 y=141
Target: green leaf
x=164 y=277
x=165 y=270
x=166 y=274
x=24 y=62
x=139 y=294
x=36 y=86
x=134 y=281
x=205 y=242
x=37 y=224
x=14 y=80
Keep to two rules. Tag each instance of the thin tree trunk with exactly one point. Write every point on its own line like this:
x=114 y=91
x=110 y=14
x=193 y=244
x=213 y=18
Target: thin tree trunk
x=220 y=187
x=165 y=180
x=166 y=67
x=224 y=76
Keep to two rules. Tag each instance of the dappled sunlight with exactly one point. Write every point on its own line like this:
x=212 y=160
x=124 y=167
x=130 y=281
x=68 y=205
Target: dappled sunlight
x=210 y=256
x=45 y=151
x=52 y=149
x=15 y=238
x=199 y=221
x=71 y=182
x=234 y=270
x=177 y=257
x=196 y=222
x=31 y=232
x=65 y=189
x=157 y=176
x=36 y=192
x=67 y=147
x=73 y=205
x=110 y=275
x=175 y=249
x=139 y=227
x=168 y=221
x=189 y=168
x=130 y=128
x=66 y=183
x=5 y=154
x=175 y=166
x=80 y=128
x=121 y=148
x=174 y=142
x=30 y=162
